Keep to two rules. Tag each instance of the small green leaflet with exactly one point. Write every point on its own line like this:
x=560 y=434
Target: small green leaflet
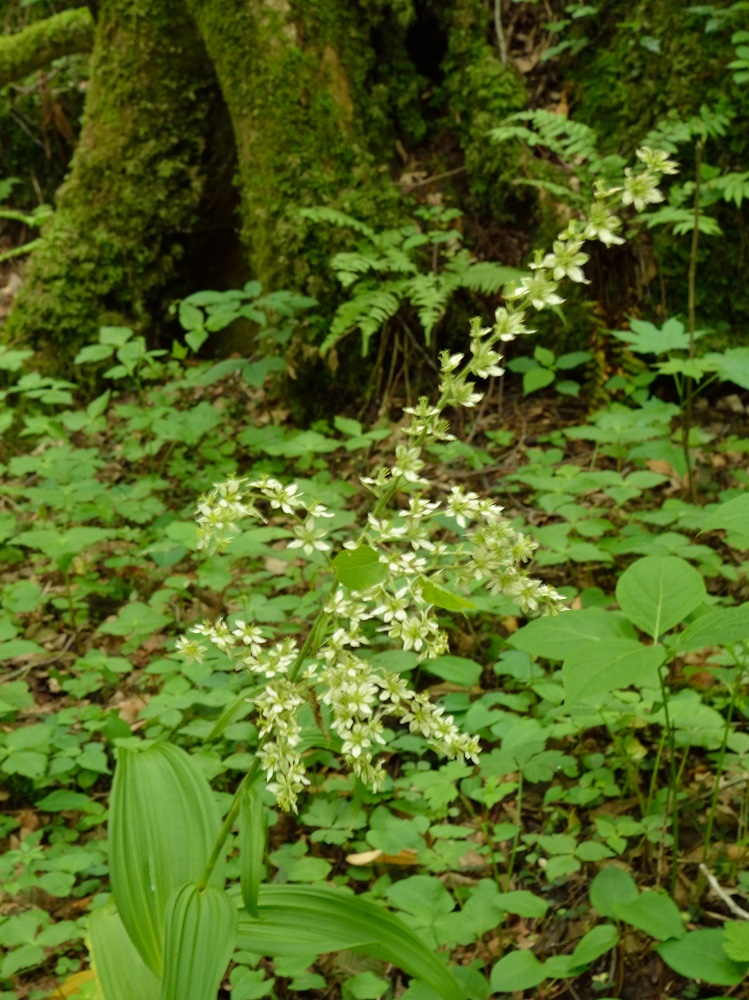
x=359 y=568
x=441 y=598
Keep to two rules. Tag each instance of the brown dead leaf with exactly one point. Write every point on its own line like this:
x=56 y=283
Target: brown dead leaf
x=405 y=857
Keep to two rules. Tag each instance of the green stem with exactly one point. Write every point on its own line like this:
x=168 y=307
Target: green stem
x=721 y=760
x=672 y=800
x=687 y=412
x=516 y=838
x=248 y=781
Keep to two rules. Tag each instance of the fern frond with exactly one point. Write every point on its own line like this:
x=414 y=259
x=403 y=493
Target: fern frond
x=564 y=137
x=394 y=259
x=488 y=278
x=349 y=267
x=368 y=311
x=336 y=218
x=558 y=191
x=429 y=294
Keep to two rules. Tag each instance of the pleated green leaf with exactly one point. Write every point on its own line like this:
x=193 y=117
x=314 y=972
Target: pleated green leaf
x=238 y=710
x=200 y=932
x=251 y=847
x=163 y=823
x=121 y=972
x=305 y=920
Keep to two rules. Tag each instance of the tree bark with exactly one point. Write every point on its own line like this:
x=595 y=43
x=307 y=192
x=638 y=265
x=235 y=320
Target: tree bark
x=322 y=97
x=294 y=79
x=135 y=185
x=37 y=46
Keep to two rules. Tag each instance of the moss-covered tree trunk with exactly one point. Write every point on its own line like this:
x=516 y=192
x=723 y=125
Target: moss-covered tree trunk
x=135 y=184
x=36 y=47
x=323 y=98
x=294 y=75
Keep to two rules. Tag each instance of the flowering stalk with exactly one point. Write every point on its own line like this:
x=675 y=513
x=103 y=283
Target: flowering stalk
x=406 y=564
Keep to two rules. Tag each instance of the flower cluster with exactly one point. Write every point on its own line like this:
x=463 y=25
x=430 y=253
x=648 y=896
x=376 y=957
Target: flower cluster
x=431 y=554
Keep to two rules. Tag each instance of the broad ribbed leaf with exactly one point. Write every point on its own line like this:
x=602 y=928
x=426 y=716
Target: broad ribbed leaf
x=721 y=627
x=121 y=972
x=237 y=711
x=304 y=920
x=251 y=847
x=555 y=638
x=733 y=515
x=163 y=824
x=442 y=598
x=700 y=955
x=359 y=568
x=658 y=592
x=603 y=665
x=200 y=932
x=518 y=970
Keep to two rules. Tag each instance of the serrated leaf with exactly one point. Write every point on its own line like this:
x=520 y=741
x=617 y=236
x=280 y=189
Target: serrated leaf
x=442 y=598
x=736 y=940
x=359 y=568
x=658 y=592
x=200 y=932
x=163 y=824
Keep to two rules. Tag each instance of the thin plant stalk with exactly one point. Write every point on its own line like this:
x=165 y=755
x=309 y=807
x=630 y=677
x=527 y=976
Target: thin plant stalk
x=688 y=409
x=737 y=684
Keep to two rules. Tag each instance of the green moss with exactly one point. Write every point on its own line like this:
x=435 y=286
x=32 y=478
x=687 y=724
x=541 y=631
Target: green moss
x=295 y=79
x=135 y=182
x=480 y=93
x=37 y=45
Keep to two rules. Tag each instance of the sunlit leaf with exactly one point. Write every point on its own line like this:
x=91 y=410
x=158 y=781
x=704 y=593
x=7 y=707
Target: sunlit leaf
x=609 y=664
x=304 y=920
x=251 y=847
x=359 y=568
x=120 y=970
x=658 y=592
x=163 y=823
x=700 y=955
x=199 y=939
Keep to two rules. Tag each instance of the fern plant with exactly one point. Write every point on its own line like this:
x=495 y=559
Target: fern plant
x=420 y=265
x=573 y=143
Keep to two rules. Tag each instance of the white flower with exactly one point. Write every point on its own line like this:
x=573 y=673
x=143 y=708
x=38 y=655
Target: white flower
x=641 y=189
x=566 y=261
x=508 y=325
x=449 y=362
x=458 y=391
x=408 y=464
x=309 y=538
x=540 y=289
x=191 y=649
x=657 y=159
x=602 y=225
